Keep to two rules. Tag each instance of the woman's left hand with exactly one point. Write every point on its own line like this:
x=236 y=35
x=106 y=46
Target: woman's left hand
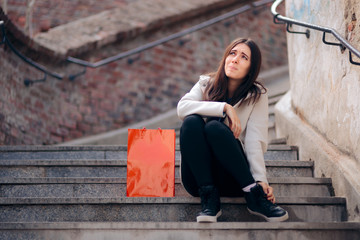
x=234 y=121
x=269 y=191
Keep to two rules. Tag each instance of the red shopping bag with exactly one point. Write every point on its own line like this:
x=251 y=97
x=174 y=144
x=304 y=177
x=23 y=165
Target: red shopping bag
x=150 y=163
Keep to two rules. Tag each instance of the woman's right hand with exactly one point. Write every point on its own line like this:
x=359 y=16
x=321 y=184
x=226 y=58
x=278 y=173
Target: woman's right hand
x=234 y=121
x=269 y=191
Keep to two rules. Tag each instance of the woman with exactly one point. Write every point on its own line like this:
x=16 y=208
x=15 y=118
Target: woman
x=224 y=136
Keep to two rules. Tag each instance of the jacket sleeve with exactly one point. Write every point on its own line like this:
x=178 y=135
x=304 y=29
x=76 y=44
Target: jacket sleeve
x=193 y=103
x=256 y=138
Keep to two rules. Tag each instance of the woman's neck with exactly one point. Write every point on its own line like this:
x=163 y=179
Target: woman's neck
x=232 y=86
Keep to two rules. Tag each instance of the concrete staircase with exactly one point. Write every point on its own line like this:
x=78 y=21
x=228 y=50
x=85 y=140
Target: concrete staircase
x=79 y=192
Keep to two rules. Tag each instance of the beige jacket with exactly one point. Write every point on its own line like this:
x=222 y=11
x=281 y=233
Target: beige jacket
x=253 y=119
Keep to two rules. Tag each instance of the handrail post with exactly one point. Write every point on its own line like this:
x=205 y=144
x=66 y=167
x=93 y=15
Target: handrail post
x=307 y=32
x=277 y=21
x=75 y=75
x=3 y=32
x=352 y=61
x=29 y=82
x=342 y=47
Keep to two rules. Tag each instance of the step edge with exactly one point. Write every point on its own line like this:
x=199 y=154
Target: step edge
x=118 y=163
x=170 y=200
x=122 y=180
x=41 y=148
x=181 y=226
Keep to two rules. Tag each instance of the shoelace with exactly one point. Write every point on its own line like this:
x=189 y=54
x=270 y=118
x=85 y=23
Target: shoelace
x=266 y=203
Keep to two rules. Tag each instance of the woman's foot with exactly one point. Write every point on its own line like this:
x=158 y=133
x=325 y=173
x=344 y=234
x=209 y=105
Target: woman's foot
x=260 y=206
x=210 y=204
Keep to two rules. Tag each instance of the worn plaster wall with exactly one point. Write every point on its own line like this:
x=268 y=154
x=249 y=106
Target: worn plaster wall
x=325 y=87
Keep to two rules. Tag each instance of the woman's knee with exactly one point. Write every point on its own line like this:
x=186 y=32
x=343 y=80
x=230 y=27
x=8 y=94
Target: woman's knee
x=215 y=129
x=192 y=123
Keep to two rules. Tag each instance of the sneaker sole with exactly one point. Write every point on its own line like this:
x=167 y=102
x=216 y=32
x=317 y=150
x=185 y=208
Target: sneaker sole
x=271 y=219
x=208 y=219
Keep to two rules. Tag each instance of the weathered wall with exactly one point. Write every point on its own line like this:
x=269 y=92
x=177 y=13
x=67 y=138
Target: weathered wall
x=324 y=85
x=321 y=112
x=120 y=93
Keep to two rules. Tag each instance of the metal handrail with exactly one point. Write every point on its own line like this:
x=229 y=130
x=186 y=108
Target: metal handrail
x=3 y=32
x=38 y=66
x=343 y=43
x=122 y=55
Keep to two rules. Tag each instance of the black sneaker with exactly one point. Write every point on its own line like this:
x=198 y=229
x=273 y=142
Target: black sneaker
x=210 y=204
x=258 y=205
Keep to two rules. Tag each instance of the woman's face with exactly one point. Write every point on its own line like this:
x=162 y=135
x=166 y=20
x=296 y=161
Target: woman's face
x=237 y=63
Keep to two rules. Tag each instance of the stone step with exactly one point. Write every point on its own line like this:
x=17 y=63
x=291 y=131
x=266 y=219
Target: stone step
x=271 y=120
x=271 y=133
x=278 y=141
x=271 y=109
x=63 y=152
x=275 y=152
x=117 y=168
x=180 y=230
x=177 y=209
x=282 y=152
x=116 y=187
x=271 y=125
x=274 y=99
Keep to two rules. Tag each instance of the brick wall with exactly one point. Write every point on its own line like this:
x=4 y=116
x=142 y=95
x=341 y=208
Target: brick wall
x=48 y=14
x=120 y=93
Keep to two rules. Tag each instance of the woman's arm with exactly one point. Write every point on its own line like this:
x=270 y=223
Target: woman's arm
x=256 y=138
x=192 y=103
x=234 y=121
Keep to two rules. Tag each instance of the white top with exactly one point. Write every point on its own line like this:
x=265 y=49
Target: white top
x=253 y=118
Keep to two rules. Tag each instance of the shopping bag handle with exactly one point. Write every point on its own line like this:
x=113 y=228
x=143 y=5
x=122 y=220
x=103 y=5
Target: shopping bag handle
x=144 y=128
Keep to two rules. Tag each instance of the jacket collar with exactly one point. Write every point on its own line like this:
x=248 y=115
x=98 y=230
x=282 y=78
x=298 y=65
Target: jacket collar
x=204 y=79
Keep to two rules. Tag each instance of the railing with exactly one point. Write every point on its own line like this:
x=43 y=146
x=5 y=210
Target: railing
x=279 y=19
x=3 y=32
x=123 y=55
x=41 y=68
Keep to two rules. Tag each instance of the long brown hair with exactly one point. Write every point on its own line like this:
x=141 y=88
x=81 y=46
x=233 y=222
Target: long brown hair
x=217 y=89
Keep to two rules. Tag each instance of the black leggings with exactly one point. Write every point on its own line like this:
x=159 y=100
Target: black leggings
x=211 y=155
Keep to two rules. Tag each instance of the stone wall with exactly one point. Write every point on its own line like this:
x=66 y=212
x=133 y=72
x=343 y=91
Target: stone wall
x=325 y=86
x=122 y=92
x=321 y=112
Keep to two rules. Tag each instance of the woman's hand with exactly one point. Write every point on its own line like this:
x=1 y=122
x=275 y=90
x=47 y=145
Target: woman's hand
x=269 y=191
x=234 y=121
